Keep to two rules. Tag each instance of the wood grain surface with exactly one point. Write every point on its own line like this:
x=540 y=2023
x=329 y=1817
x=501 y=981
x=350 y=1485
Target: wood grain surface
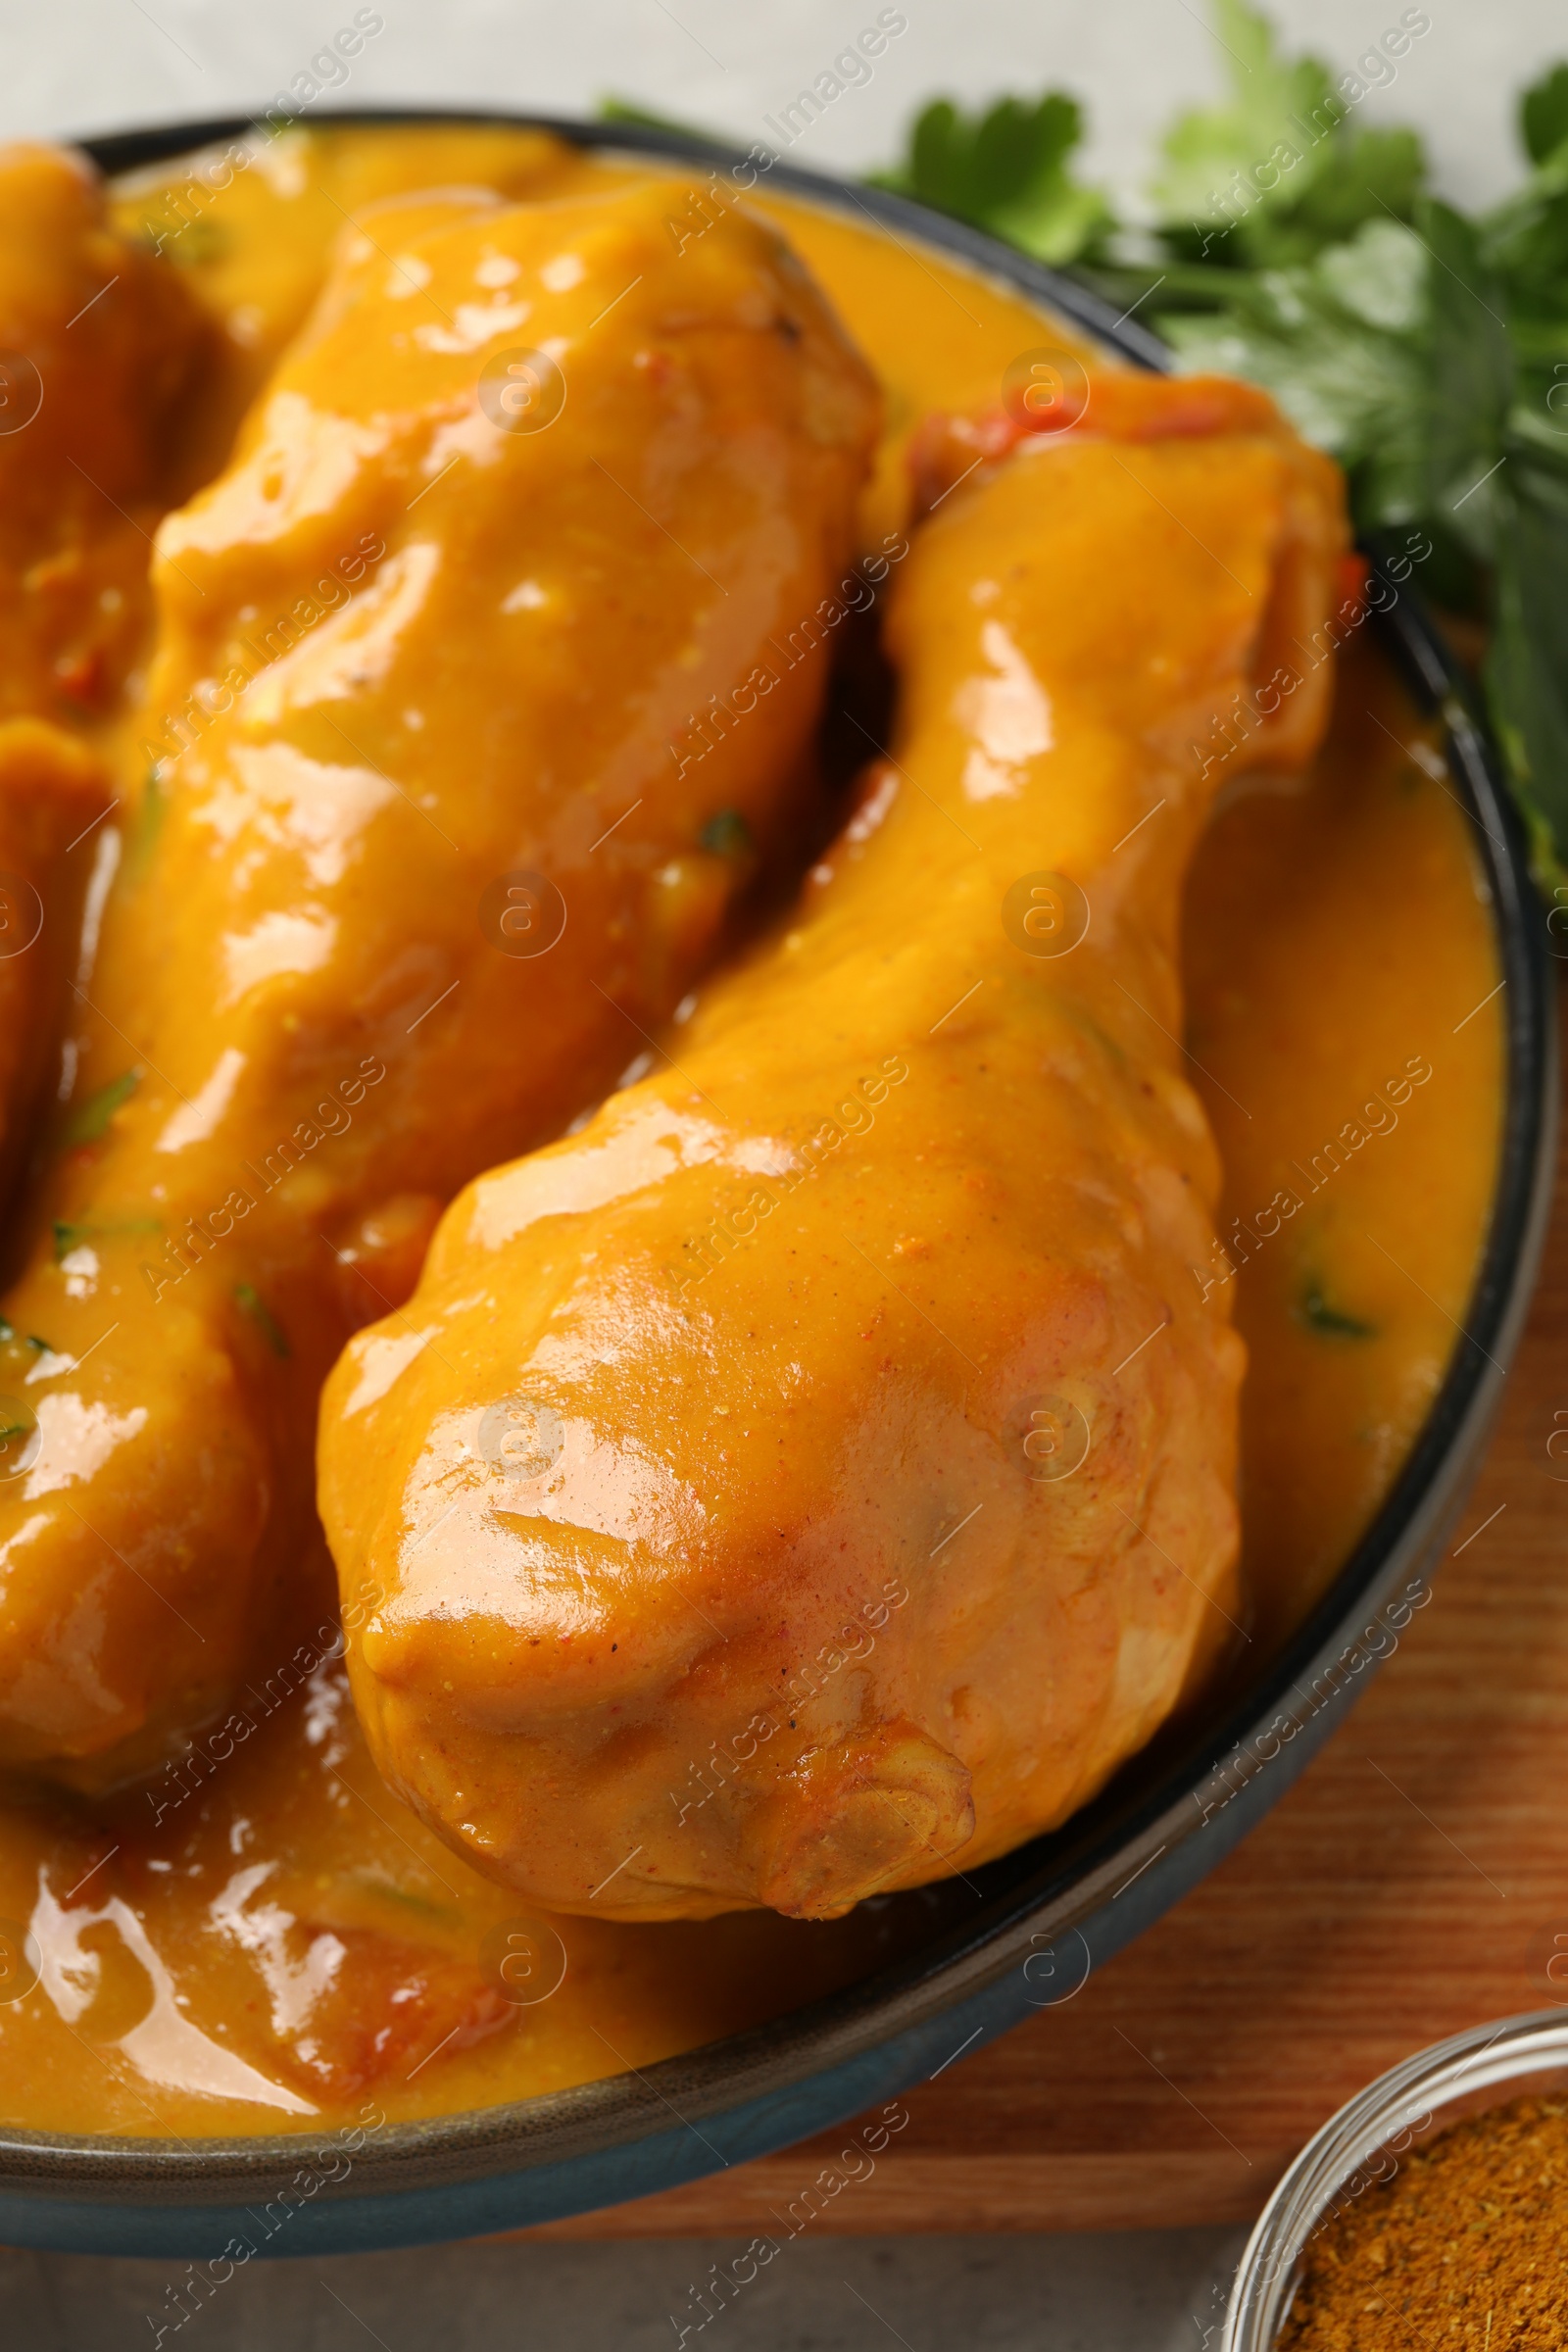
x=1409 y=1884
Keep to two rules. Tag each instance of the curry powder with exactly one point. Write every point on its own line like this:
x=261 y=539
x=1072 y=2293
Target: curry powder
x=1466 y=2245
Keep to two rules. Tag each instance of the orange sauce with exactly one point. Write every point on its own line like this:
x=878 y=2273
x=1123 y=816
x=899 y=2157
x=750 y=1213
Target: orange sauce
x=268 y=1936
x=1347 y=1043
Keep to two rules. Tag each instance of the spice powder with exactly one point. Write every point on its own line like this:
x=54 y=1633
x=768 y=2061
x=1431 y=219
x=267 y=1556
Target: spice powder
x=1466 y=2245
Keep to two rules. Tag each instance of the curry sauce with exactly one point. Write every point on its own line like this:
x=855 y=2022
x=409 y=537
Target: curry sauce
x=260 y=1936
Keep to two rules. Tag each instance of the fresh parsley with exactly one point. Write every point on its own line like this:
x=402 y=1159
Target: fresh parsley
x=1332 y=1322
x=1290 y=244
x=89 y=1120
x=1426 y=350
x=1007 y=171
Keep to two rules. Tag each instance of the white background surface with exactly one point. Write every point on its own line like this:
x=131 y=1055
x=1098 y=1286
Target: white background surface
x=104 y=65
x=79 y=66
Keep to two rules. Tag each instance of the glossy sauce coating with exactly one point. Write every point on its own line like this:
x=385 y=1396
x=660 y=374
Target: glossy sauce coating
x=98 y=348
x=250 y=227
x=238 y=1872
x=838 y=1413
x=1346 y=1039
x=421 y=664
x=53 y=792
x=238 y=1863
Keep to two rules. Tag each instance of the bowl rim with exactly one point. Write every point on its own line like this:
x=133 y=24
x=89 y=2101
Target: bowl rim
x=1142 y=1826
x=1505 y=2053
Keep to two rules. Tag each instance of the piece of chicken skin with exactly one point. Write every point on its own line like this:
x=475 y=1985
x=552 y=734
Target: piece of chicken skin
x=98 y=342
x=703 y=1526
x=313 y=1013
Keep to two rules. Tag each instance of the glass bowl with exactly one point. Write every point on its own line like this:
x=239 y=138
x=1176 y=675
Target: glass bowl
x=1365 y=2142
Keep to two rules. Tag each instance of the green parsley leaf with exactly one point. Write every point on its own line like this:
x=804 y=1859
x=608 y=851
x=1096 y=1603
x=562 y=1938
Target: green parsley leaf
x=1543 y=115
x=1314 y=1310
x=8 y=1338
x=1223 y=163
x=91 y=1118
x=1527 y=662
x=250 y=1303
x=1470 y=383
x=1339 y=342
x=68 y=1237
x=1370 y=175
x=1274 y=173
x=726 y=835
x=1007 y=171
x=622 y=110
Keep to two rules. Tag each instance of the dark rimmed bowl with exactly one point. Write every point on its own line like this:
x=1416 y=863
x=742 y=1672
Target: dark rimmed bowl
x=1045 y=1915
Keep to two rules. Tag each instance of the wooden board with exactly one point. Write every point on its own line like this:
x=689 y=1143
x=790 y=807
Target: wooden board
x=1409 y=1884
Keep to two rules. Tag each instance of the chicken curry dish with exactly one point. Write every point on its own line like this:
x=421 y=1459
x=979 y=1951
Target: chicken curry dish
x=751 y=1074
